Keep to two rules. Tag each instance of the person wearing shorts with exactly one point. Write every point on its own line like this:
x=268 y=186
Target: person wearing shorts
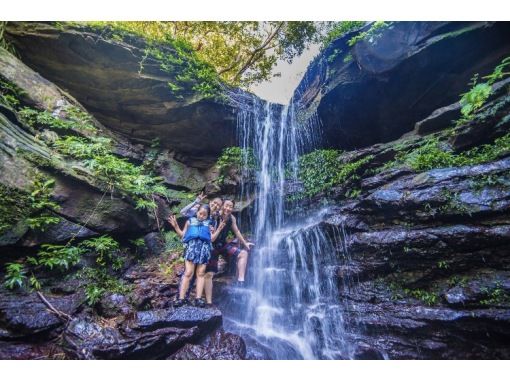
x=232 y=250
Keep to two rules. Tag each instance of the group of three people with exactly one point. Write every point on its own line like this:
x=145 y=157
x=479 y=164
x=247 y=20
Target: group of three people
x=205 y=237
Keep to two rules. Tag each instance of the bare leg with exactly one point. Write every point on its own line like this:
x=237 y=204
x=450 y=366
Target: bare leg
x=200 y=280
x=242 y=261
x=208 y=286
x=188 y=273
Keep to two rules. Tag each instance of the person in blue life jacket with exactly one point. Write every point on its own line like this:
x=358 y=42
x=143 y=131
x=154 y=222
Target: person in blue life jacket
x=197 y=237
x=191 y=210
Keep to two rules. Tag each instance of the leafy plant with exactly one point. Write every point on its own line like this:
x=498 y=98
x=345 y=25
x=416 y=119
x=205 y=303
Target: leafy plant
x=99 y=282
x=15 y=275
x=453 y=203
x=9 y=93
x=321 y=169
x=106 y=250
x=494 y=295
x=341 y=28
x=172 y=241
x=433 y=154
x=58 y=256
x=74 y=119
x=371 y=35
x=353 y=193
x=32 y=208
x=486 y=181
x=235 y=159
x=474 y=99
x=427 y=297
x=114 y=172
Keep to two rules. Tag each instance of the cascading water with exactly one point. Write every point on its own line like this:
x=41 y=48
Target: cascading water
x=290 y=308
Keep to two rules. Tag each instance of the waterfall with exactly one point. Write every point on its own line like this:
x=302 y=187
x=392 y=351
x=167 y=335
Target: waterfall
x=290 y=308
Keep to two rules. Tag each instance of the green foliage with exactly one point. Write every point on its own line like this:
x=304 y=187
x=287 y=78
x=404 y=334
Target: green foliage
x=63 y=257
x=457 y=280
x=139 y=243
x=371 y=35
x=348 y=58
x=474 y=99
x=236 y=52
x=3 y=42
x=341 y=28
x=486 y=181
x=9 y=93
x=33 y=208
x=15 y=275
x=353 y=193
x=75 y=119
x=106 y=250
x=317 y=170
x=399 y=292
x=494 y=295
x=452 y=203
x=99 y=282
x=334 y=54
x=115 y=173
x=58 y=256
x=167 y=268
x=425 y=296
x=83 y=148
x=190 y=72
x=321 y=169
x=433 y=154
x=235 y=159
x=172 y=241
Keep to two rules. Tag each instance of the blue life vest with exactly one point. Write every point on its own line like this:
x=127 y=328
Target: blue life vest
x=198 y=230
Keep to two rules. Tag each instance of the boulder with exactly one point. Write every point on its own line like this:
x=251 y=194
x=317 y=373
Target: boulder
x=25 y=316
x=153 y=334
x=218 y=346
x=86 y=339
x=112 y=305
x=186 y=316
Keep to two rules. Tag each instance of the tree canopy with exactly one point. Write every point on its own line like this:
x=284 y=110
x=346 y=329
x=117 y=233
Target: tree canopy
x=241 y=52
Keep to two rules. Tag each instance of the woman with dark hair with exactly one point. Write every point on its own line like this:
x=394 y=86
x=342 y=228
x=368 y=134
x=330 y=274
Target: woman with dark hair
x=231 y=249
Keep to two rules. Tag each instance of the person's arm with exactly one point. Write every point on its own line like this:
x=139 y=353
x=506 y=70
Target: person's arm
x=189 y=211
x=173 y=221
x=239 y=235
x=216 y=233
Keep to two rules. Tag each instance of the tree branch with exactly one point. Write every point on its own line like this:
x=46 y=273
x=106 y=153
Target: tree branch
x=258 y=50
x=58 y=313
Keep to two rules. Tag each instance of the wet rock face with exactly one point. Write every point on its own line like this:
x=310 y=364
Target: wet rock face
x=112 y=305
x=85 y=339
x=180 y=317
x=153 y=334
x=425 y=267
x=219 y=346
x=25 y=317
x=30 y=351
x=105 y=76
x=397 y=80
